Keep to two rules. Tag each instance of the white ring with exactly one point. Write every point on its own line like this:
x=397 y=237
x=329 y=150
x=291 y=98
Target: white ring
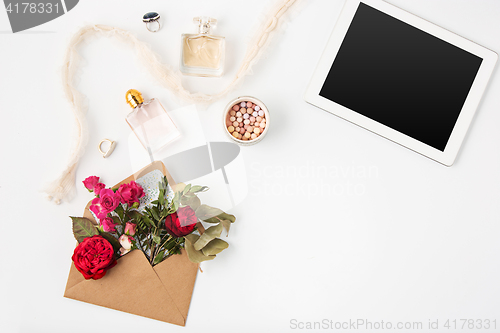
x=154 y=21
x=110 y=149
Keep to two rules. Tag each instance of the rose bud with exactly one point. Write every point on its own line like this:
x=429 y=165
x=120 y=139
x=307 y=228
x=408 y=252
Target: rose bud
x=182 y=222
x=130 y=229
x=90 y=182
x=126 y=243
x=93 y=257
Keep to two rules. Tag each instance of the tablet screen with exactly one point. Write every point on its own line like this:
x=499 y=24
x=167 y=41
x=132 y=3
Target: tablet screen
x=401 y=76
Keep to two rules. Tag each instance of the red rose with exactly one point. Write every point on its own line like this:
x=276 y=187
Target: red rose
x=130 y=193
x=90 y=182
x=106 y=203
x=93 y=257
x=182 y=222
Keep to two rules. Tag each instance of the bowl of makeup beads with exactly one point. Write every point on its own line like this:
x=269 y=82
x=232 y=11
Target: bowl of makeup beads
x=246 y=120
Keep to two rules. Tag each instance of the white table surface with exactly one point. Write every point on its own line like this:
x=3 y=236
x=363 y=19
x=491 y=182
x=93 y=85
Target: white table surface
x=385 y=235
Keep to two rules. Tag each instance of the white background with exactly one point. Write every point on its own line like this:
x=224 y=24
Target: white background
x=382 y=234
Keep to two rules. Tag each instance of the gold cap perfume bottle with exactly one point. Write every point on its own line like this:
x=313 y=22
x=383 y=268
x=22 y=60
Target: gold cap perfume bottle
x=203 y=54
x=150 y=122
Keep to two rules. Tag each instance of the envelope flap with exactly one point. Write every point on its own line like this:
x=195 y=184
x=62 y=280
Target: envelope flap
x=131 y=286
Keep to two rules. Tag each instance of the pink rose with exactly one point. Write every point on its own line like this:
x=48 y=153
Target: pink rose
x=90 y=182
x=130 y=193
x=106 y=203
x=108 y=224
x=130 y=229
x=98 y=187
x=126 y=243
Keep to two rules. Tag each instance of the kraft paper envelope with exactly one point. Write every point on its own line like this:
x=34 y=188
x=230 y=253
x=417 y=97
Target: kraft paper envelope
x=162 y=292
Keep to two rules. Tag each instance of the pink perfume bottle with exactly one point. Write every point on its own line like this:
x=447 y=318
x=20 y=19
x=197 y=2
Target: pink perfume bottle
x=150 y=122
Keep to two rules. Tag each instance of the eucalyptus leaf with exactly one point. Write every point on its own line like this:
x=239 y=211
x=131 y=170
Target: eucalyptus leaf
x=194 y=202
x=194 y=255
x=179 y=187
x=205 y=212
x=223 y=216
x=186 y=189
x=198 y=188
x=175 y=201
x=214 y=246
x=83 y=228
x=208 y=235
x=227 y=225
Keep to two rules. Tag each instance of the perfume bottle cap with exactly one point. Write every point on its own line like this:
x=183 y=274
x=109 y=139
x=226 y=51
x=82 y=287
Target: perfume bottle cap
x=205 y=24
x=134 y=98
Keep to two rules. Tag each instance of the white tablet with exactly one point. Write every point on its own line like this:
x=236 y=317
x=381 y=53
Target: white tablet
x=401 y=77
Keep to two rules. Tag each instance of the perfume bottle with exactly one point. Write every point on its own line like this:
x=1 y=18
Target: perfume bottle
x=203 y=54
x=150 y=122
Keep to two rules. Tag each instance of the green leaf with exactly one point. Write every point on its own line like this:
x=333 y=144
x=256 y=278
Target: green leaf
x=158 y=258
x=164 y=183
x=156 y=213
x=120 y=212
x=156 y=239
x=116 y=220
x=114 y=242
x=194 y=255
x=215 y=246
x=208 y=235
x=135 y=215
x=205 y=212
x=83 y=228
x=161 y=200
x=148 y=221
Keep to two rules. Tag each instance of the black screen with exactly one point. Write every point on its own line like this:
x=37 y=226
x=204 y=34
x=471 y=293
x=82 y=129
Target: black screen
x=400 y=76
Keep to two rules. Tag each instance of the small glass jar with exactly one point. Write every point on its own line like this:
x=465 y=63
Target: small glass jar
x=256 y=116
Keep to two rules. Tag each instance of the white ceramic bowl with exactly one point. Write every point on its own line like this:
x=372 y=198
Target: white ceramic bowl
x=255 y=101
